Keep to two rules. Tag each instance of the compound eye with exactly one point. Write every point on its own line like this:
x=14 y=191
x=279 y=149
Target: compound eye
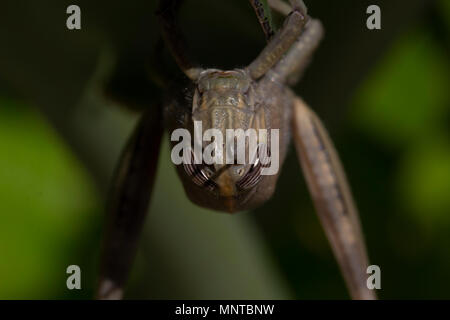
x=252 y=177
x=236 y=172
x=240 y=171
x=199 y=174
x=207 y=172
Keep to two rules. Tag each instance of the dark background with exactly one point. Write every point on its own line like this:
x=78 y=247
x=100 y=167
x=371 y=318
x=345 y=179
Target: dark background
x=383 y=95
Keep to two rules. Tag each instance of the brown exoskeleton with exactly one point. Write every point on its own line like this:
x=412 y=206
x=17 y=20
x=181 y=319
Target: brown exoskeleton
x=253 y=97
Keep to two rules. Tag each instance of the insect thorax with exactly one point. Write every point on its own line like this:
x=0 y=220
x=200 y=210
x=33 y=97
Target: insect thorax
x=225 y=100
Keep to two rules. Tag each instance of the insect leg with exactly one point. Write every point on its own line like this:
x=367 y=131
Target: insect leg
x=264 y=17
x=297 y=58
x=280 y=43
x=280 y=6
x=332 y=198
x=174 y=38
x=128 y=204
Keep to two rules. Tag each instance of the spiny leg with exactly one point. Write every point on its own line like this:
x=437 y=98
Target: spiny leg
x=289 y=51
x=174 y=38
x=332 y=198
x=281 y=42
x=264 y=16
x=128 y=204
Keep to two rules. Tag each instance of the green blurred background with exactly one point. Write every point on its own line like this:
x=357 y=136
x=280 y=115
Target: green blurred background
x=383 y=95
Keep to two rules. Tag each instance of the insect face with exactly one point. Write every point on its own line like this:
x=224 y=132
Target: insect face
x=224 y=107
